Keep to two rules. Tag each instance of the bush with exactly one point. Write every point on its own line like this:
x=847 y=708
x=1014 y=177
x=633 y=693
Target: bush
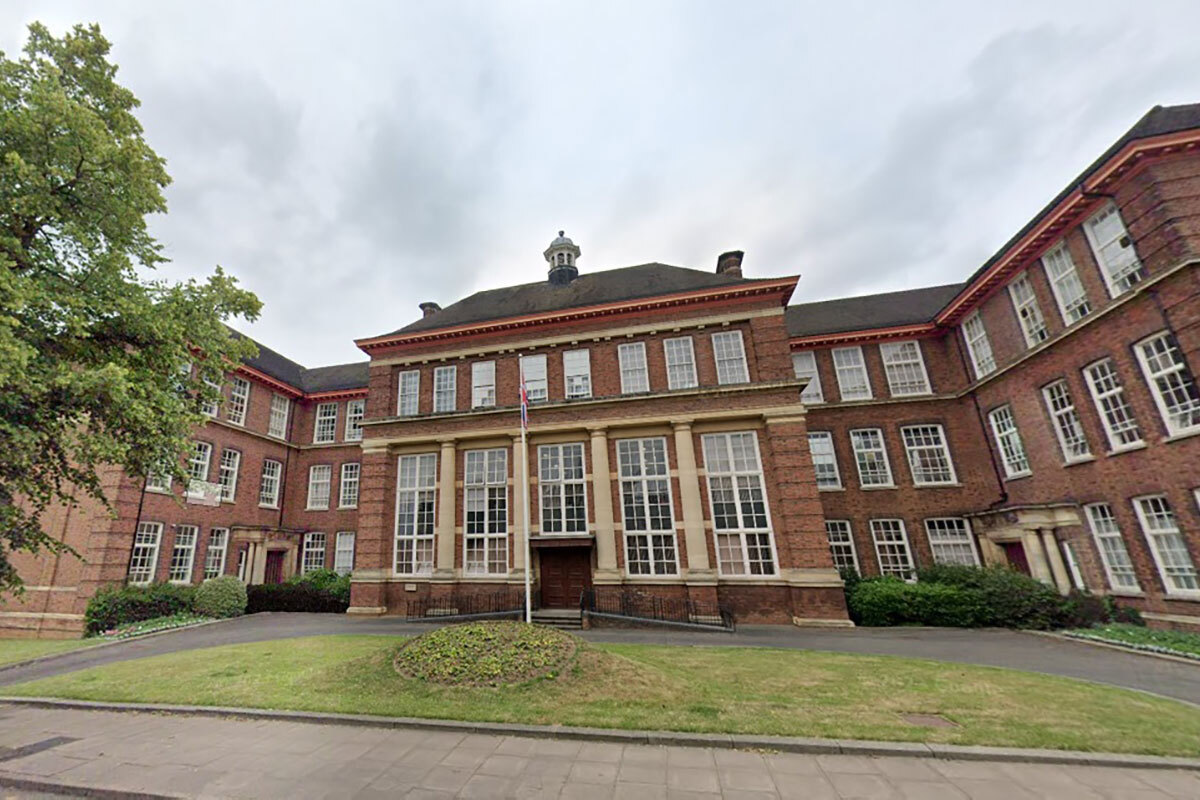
x=298 y=596
x=487 y=654
x=221 y=597
x=328 y=580
x=1125 y=614
x=113 y=606
x=890 y=601
x=1010 y=599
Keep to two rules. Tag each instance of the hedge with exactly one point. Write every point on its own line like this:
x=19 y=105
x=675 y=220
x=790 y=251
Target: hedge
x=328 y=580
x=114 y=606
x=224 y=596
x=299 y=596
x=989 y=597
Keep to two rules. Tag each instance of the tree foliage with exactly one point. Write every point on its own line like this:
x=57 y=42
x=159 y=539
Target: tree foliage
x=93 y=355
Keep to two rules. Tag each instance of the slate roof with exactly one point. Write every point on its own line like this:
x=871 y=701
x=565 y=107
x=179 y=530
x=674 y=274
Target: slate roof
x=908 y=307
x=318 y=379
x=590 y=288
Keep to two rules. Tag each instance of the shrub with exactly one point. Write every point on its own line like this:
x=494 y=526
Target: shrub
x=1082 y=610
x=113 y=606
x=890 y=601
x=1010 y=599
x=221 y=597
x=298 y=596
x=1119 y=613
x=327 y=580
x=487 y=654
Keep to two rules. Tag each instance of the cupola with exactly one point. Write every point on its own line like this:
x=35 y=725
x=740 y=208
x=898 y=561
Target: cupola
x=561 y=256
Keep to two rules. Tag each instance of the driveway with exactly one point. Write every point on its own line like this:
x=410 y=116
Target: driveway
x=997 y=648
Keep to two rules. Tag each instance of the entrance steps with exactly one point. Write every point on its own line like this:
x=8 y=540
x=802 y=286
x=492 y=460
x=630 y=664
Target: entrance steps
x=570 y=619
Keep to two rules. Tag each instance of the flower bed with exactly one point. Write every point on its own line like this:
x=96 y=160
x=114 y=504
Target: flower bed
x=1149 y=640
x=155 y=625
x=487 y=654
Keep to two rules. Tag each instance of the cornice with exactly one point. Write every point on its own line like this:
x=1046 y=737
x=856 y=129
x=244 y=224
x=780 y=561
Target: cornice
x=781 y=286
x=922 y=329
x=293 y=392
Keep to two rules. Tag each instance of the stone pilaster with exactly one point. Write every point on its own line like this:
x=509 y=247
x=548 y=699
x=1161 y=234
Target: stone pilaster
x=447 y=499
x=689 y=500
x=520 y=484
x=606 y=532
x=1062 y=581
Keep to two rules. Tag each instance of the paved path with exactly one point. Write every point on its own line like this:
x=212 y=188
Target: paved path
x=203 y=757
x=999 y=648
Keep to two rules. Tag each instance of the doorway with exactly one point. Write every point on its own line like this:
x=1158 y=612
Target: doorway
x=565 y=573
x=1014 y=553
x=274 y=571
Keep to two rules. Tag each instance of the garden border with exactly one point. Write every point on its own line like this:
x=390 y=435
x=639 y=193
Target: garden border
x=1095 y=642
x=786 y=744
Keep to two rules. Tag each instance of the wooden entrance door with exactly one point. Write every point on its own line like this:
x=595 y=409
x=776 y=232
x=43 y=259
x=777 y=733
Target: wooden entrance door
x=274 y=572
x=1015 y=553
x=565 y=573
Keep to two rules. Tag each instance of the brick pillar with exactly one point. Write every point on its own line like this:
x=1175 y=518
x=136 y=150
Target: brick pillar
x=799 y=524
x=606 y=533
x=373 y=540
x=444 y=535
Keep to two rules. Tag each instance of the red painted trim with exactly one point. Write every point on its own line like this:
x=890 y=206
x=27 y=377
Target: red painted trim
x=278 y=385
x=917 y=331
x=782 y=286
x=336 y=394
x=1070 y=209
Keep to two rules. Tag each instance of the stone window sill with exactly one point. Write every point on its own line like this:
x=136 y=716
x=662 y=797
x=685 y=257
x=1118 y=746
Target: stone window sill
x=878 y=488
x=831 y=488
x=1021 y=477
x=1126 y=593
x=1076 y=462
x=1175 y=437
x=955 y=485
x=1130 y=449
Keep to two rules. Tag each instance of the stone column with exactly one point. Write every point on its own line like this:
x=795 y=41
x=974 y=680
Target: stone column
x=1036 y=556
x=258 y=568
x=1058 y=568
x=447 y=500
x=689 y=499
x=520 y=484
x=606 y=532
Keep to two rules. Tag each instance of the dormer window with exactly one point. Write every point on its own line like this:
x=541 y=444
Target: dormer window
x=562 y=258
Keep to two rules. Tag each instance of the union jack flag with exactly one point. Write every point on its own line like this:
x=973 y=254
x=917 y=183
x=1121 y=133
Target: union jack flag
x=524 y=404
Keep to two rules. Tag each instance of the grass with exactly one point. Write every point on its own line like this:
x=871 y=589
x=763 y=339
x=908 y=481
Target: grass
x=725 y=689
x=486 y=654
x=14 y=650
x=1148 y=638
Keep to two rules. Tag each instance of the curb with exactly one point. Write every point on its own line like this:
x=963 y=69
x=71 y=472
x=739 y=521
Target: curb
x=786 y=744
x=104 y=645
x=11 y=780
x=1062 y=637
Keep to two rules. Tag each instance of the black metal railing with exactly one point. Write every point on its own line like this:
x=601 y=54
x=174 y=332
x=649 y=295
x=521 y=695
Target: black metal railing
x=634 y=605
x=465 y=606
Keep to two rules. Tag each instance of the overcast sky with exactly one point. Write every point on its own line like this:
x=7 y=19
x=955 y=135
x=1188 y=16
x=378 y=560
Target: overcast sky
x=347 y=161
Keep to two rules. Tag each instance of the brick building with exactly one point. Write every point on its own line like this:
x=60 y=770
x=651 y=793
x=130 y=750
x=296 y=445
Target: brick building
x=693 y=436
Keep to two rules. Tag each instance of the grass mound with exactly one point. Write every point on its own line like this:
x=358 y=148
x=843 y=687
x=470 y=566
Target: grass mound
x=487 y=654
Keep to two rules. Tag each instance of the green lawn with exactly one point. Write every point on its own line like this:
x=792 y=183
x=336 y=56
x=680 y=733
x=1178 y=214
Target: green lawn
x=13 y=650
x=1137 y=635
x=744 y=690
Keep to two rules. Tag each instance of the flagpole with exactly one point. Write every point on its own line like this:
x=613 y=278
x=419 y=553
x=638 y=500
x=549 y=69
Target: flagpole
x=525 y=493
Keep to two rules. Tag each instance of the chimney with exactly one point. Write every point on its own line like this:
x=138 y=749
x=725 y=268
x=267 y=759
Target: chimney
x=730 y=263
x=430 y=308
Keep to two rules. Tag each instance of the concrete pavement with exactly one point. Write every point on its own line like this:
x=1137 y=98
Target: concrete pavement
x=1000 y=648
x=204 y=757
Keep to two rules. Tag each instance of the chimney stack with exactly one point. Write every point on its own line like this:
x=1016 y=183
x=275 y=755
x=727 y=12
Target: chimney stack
x=730 y=263
x=430 y=308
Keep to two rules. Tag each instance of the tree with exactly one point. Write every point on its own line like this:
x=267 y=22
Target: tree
x=93 y=357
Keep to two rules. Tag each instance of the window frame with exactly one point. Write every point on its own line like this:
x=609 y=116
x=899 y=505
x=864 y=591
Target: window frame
x=149 y=554
x=904 y=573
x=837 y=472
x=207 y=447
x=642 y=370
x=356 y=411
x=276 y=412
x=687 y=365
x=561 y=482
x=1179 y=370
x=1119 y=548
x=1060 y=281
x=1028 y=310
x=1113 y=396
x=983 y=358
x=1114 y=282
x=215 y=567
x=812 y=394
x=478 y=387
x=313 y=483
x=229 y=488
x=353 y=479
x=239 y=402
x=189 y=558
x=942 y=447
x=839 y=369
x=324 y=424
x=848 y=543
x=734 y=359
x=896 y=348
x=1064 y=417
x=443 y=390
x=742 y=531
x=1153 y=539
x=408 y=393
x=277 y=478
x=308 y=549
x=967 y=540
x=642 y=478
x=573 y=371
x=1009 y=454
x=537 y=389
x=424 y=491
x=495 y=529
x=338 y=551
x=859 y=452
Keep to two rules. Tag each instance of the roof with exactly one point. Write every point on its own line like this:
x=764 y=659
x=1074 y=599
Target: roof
x=869 y=312
x=1157 y=121
x=309 y=381
x=590 y=288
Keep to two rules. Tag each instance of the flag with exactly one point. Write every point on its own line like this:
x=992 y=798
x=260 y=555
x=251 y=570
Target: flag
x=524 y=404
